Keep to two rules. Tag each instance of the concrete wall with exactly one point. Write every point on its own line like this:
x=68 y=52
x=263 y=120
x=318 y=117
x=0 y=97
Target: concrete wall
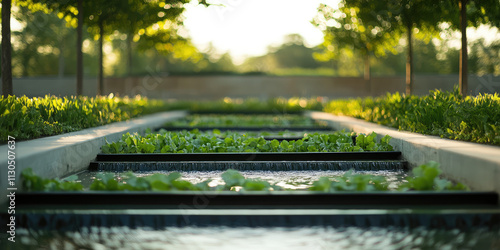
x=216 y=87
x=41 y=86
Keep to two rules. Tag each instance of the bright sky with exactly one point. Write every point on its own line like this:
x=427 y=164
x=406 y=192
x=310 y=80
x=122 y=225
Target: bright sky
x=247 y=27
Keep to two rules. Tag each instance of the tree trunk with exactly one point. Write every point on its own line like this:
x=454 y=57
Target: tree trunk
x=409 y=61
x=462 y=82
x=60 y=69
x=129 y=54
x=6 y=50
x=79 y=52
x=100 y=80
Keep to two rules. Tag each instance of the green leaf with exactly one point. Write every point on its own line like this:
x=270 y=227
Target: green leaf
x=182 y=185
x=284 y=145
x=275 y=143
x=233 y=178
x=159 y=186
x=256 y=185
x=173 y=176
x=323 y=184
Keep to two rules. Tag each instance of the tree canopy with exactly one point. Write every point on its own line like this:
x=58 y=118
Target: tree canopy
x=376 y=26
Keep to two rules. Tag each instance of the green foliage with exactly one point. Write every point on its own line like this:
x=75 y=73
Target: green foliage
x=245 y=121
x=351 y=182
x=33 y=182
x=369 y=142
x=28 y=118
x=426 y=177
x=155 y=182
x=293 y=57
x=445 y=114
x=484 y=58
x=282 y=133
x=275 y=105
x=349 y=28
x=197 y=142
x=233 y=179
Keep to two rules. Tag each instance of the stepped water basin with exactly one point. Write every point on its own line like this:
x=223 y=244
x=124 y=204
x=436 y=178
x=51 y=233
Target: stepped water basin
x=284 y=179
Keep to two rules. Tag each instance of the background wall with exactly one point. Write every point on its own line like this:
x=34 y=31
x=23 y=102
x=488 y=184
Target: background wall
x=216 y=87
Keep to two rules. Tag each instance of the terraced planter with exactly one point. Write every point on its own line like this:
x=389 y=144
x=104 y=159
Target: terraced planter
x=361 y=214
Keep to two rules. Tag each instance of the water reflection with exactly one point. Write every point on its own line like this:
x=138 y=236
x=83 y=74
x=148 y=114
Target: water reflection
x=285 y=179
x=262 y=238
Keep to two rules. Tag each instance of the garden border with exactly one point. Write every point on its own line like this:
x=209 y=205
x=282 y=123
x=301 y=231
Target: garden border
x=64 y=154
x=476 y=165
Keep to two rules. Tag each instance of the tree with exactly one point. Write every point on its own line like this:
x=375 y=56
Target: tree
x=134 y=16
x=403 y=16
x=425 y=16
x=42 y=35
x=344 y=30
x=142 y=21
x=471 y=13
x=484 y=59
x=6 y=50
x=79 y=52
x=152 y=22
x=294 y=54
x=72 y=11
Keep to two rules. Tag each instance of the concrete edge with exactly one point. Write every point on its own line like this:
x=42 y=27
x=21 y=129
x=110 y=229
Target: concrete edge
x=473 y=164
x=64 y=154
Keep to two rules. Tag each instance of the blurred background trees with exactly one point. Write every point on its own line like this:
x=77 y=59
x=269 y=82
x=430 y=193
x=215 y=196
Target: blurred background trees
x=135 y=43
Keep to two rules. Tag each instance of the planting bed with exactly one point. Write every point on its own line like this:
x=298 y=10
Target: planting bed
x=246 y=121
x=303 y=184
x=273 y=123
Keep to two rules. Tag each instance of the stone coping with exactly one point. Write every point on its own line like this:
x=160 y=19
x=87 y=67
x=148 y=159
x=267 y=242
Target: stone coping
x=65 y=154
x=476 y=165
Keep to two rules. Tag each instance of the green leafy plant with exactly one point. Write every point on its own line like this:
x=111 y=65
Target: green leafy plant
x=29 y=118
x=33 y=182
x=233 y=179
x=369 y=142
x=351 y=182
x=155 y=182
x=425 y=178
x=197 y=142
x=282 y=120
x=445 y=114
